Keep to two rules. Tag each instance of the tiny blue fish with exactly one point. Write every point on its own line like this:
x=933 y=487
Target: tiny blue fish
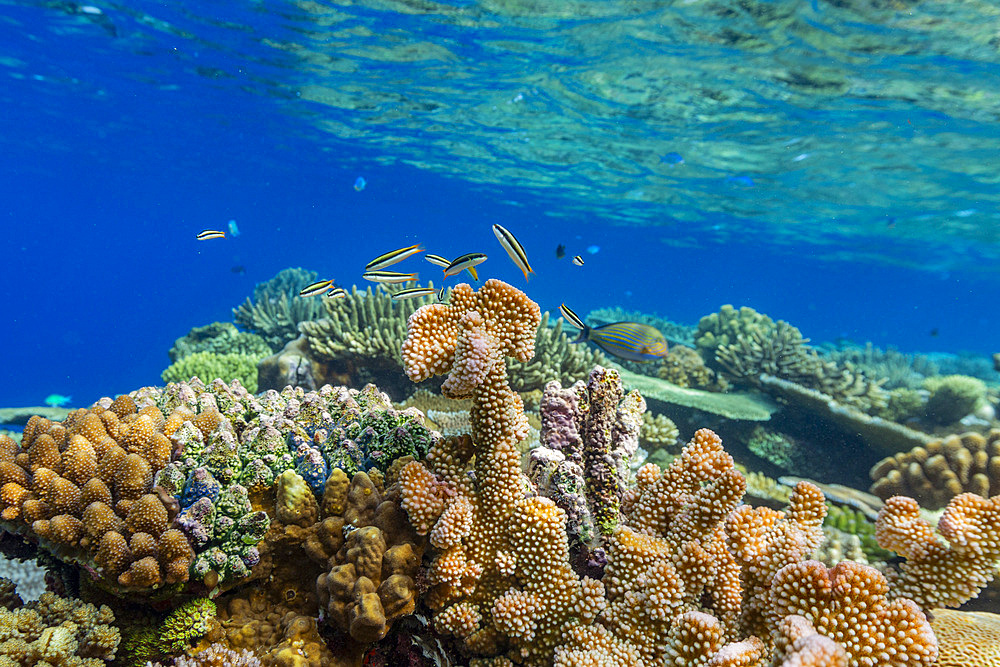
x=360 y=184
x=628 y=340
x=745 y=181
x=593 y=249
x=672 y=158
x=233 y=229
x=57 y=400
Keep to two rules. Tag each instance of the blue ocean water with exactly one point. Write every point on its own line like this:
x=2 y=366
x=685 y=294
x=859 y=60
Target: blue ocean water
x=830 y=164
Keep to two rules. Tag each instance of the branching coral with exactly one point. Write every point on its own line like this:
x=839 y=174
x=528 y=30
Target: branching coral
x=57 y=631
x=207 y=366
x=276 y=308
x=219 y=338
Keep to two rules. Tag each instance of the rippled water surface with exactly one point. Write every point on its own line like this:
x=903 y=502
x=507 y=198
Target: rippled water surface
x=859 y=129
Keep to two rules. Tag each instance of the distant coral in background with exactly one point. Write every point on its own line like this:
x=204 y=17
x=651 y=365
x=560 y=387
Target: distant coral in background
x=219 y=338
x=899 y=370
x=746 y=345
x=942 y=469
x=207 y=366
x=657 y=432
x=276 y=309
x=684 y=367
x=953 y=397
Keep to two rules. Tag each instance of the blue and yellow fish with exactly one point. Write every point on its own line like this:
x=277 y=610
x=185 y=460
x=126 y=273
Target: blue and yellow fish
x=627 y=340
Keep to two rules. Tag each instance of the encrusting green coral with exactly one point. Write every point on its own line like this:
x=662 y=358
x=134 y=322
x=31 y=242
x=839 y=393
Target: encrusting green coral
x=208 y=366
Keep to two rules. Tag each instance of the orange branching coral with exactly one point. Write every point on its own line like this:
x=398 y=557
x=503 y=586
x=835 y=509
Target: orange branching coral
x=936 y=574
x=849 y=602
x=83 y=489
x=502 y=574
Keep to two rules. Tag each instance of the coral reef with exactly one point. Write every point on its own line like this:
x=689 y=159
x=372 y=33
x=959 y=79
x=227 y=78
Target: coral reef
x=56 y=631
x=208 y=366
x=899 y=370
x=662 y=395
x=942 y=469
x=83 y=490
x=684 y=367
x=967 y=638
x=219 y=338
x=276 y=309
x=657 y=432
x=953 y=397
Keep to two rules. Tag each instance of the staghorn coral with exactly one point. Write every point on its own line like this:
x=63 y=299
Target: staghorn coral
x=276 y=309
x=211 y=365
x=942 y=469
x=56 y=631
x=219 y=338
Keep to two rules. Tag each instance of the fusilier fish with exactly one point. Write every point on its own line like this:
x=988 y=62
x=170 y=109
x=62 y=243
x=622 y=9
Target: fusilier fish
x=514 y=249
x=627 y=340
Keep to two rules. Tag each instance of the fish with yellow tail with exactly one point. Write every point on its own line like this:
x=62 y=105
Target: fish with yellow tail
x=464 y=262
x=438 y=260
x=514 y=249
x=627 y=340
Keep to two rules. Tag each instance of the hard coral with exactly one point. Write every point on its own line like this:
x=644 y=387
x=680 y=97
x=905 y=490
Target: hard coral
x=82 y=489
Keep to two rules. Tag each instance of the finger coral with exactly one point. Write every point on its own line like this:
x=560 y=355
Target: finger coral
x=935 y=473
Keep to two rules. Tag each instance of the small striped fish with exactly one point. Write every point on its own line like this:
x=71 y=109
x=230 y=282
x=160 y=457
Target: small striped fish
x=628 y=340
x=389 y=277
x=413 y=293
x=336 y=293
x=438 y=260
x=211 y=234
x=390 y=258
x=578 y=260
x=464 y=262
x=514 y=249
x=317 y=288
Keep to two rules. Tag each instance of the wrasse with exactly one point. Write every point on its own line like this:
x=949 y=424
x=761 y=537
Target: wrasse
x=211 y=234
x=578 y=260
x=390 y=258
x=438 y=260
x=316 y=288
x=413 y=293
x=443 y=292
x=627 y=340
x=514 y=249
x=336 y=293
x=464 y=262
x=389 y=277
